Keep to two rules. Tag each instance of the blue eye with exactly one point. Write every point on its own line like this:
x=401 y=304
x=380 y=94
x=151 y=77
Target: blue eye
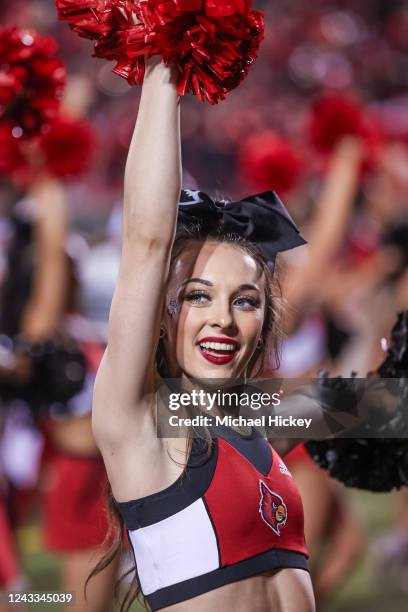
x=244 y=302
x=197 y=297
x=247 y=302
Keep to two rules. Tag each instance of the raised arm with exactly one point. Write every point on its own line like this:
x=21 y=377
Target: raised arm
x=124 y=385
x=329 y=223
x=42 y=312
x=45 y=307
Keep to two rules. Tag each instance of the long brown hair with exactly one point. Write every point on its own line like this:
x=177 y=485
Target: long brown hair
x=265 y=358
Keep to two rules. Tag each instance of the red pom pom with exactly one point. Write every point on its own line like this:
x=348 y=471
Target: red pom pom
x=97 y=19
x=103 y=21
x=31 y=79
x=334 y=117
x=212 y=43
x=64 y=150
x=67 y=147
x=13 y=163
x=89 y=18
x=269 y=161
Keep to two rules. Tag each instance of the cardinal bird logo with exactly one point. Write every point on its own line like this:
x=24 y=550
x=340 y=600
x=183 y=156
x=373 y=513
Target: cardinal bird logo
x=272 y=508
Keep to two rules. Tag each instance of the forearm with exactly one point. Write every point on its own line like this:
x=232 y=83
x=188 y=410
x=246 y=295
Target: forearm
x=44 y=312
x=44 y=308
x=336 y=200
x=328 y=225
x=153 y=168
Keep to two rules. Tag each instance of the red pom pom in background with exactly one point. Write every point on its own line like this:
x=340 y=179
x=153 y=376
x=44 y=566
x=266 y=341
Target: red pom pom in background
x=212 y=43
x=64 y=150
x=13 y=163
x=269 y=161
x=334 y=117
x=32 y=80
x=67 y=147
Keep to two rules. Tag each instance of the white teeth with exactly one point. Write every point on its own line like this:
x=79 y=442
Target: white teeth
x=218 y=346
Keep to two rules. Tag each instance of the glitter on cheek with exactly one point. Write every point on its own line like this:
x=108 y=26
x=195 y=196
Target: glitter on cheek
x=173 y=307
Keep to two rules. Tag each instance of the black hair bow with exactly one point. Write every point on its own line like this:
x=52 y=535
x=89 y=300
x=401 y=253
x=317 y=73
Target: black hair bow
x=261 y=219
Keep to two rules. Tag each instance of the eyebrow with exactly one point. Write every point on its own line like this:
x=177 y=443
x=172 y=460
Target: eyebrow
x=248 y=286
x=244 y=287
x=197 y=280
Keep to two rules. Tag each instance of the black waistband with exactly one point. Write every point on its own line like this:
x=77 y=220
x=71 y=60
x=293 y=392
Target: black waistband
x=272 y=559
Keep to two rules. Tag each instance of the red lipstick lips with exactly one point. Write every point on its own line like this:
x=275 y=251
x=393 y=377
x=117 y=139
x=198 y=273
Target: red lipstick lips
x=218 y=351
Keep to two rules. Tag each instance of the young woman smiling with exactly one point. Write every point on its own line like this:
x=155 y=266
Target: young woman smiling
x=216 y=530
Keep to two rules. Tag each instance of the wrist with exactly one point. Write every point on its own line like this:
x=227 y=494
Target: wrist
x=156 y=69
x=152 y=62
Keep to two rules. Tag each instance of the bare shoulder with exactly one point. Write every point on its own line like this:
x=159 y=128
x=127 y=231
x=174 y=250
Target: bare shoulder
x=147 y=470
x=138 y=462
x=130 y=447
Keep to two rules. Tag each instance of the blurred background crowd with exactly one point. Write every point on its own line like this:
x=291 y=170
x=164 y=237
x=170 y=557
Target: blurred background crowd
x=348 y=192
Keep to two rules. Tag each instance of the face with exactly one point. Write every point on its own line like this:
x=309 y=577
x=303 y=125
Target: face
x=214 y=311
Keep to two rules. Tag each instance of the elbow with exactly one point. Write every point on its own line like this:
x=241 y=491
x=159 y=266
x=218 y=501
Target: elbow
x=147 y=241
x=151 y=223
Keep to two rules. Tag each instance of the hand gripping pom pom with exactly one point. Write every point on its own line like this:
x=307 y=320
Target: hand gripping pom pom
x=212 y=43
x=32 y=80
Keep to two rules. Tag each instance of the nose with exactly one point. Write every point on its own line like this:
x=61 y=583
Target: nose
x=222 y=315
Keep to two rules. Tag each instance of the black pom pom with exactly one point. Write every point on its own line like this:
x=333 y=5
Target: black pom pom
x=374 y=464
x=56 y=373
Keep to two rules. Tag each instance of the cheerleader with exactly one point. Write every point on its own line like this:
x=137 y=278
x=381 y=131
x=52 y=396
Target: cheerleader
x=200 y=306
x=47 y=370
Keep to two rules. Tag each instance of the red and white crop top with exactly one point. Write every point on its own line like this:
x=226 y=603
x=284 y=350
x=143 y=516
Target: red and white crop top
x=233 y=513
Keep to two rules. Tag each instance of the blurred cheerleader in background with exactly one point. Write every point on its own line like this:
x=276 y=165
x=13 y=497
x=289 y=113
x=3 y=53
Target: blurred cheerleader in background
x=35 y=299
x=43 y=143
x=327 y=505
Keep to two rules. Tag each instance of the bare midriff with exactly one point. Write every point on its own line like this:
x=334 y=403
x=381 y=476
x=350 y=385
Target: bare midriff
x=284 y=590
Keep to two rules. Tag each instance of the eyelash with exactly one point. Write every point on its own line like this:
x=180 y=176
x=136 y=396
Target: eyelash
x=253 y=302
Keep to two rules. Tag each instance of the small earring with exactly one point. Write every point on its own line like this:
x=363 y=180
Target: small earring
x=162 y=333
x=260 y=343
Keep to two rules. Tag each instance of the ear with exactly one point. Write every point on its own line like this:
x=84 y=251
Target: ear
x=254 y=360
